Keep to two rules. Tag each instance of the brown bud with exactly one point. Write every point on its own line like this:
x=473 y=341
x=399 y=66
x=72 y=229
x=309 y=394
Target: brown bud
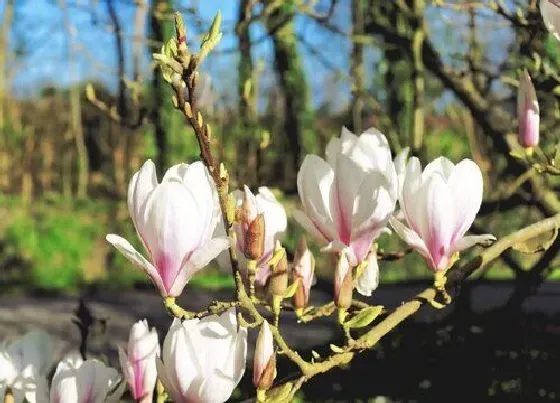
x=254 y=238
x=269 y=373
x=300 y=297
x=278 y=282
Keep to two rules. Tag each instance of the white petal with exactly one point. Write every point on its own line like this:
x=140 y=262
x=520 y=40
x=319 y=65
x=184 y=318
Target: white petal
x=215 y=388
x=140 y=188
x=275 y=218
x=369 y=280
x=400 y=168
x=314 y=181
x=137 y=259
x=472 y=240
x=466 y=184
x=441 y=165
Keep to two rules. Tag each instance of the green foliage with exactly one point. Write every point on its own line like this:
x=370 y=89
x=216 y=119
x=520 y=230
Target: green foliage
x=56 y=240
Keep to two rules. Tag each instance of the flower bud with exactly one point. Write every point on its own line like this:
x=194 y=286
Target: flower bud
x=278 y=282
x=264 y=366
x=249 y=210
x=343 y=285
x=138 y=361
x=254 y=238
x=528 y=112
x=304 y=266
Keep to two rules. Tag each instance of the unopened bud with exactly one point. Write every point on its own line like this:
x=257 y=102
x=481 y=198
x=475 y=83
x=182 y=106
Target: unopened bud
x=343 y=285
x=278 y=282
x=304 y=266
x=527 y=112
x=264 y=366
x=254 y=238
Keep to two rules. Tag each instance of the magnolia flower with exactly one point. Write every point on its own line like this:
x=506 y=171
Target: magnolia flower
x=24 y=365
x=348 y=199
x=527 y=112
x=275 y=223
x=550 y=10
x=175 y=220
x=439 y=206
x=368 y=280
x=203 y=360
x=304 y=267
x=78 y=381
x=264 y=366
x=138 y=363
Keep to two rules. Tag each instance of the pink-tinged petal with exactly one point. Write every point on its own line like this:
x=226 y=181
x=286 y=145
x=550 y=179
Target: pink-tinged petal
x=127 y=370
x=527 y=112
x=410 y=237
x=466 y=184
x=176 y=222
x=199 y=259
x=551 y=16
x=361 y=244
x=138 y=260
x=440 y=211
x=314 y=181
x=369 y=279
x=262 y=275
x=472 y=240
x=347 y=180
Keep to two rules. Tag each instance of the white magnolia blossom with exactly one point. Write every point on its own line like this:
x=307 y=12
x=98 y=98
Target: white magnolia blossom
x=275 y=223
x=550 y=10
x=439 y=206
x=24 y=365
x=203 y=359
x=138 y=361
x=175 y=220
x=348 y=198
x=78 y=381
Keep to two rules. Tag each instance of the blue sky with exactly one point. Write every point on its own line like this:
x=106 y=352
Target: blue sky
x=39 y=32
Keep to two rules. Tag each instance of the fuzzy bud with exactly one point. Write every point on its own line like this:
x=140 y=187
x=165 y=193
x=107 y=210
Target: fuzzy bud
x=304 y=266
x=278 y=282
x=264 y=367
x=343 y=285
x=254 y=238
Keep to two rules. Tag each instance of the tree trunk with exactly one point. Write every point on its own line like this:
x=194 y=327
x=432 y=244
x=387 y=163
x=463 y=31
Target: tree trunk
x=357 y=65
x=4 y=49
x=288 y=66
x=162 y=30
